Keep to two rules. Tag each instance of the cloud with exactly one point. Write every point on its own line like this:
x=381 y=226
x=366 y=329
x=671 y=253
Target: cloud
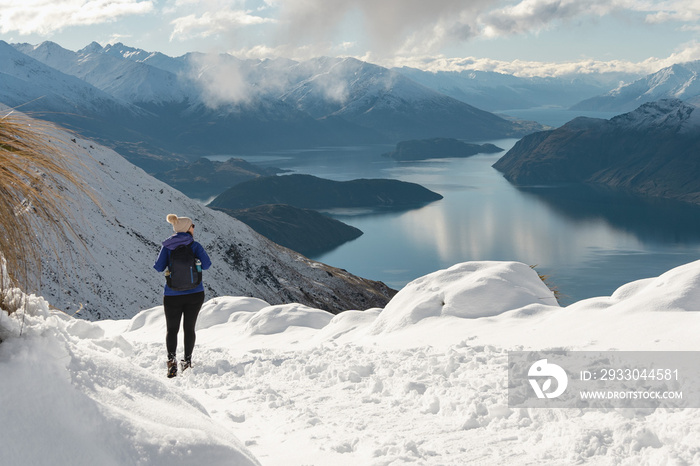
x=387 y=25
x=523 y=68
x=533 y=15
x=221 y=79
x=47 y=16
x=410 y=27
x=214 y=22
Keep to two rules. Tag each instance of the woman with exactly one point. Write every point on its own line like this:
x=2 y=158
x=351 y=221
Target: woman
x=181 y=300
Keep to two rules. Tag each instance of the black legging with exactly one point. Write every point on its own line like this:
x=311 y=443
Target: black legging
x=175 y=307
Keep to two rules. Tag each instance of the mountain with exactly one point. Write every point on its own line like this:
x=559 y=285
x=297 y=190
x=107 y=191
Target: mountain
x=310 y=192
x=438 y=148
x=130 y=81
x=654 y=150
x=33 y=87
x=111 y=275
x=390 y=103
x=493 y=91
x=303 y=230
x=202 y=104
x=679 y=81
x=179 y=115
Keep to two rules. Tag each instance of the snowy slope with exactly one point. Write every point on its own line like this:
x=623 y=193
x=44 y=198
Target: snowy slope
x=679 y=81
x=176 y=65
x=112 y=277
x=667 y=115
x=294 y=385
x=385 y=100
x=25 y=79
x=133 y=82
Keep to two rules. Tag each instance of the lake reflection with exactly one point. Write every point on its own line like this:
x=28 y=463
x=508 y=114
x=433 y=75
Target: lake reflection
x=589 y=240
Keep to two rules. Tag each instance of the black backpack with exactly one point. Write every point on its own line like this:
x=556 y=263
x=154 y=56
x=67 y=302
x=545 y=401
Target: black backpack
x=183 y=270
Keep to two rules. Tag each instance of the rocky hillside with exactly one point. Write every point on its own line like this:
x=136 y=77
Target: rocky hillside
x=112 y=271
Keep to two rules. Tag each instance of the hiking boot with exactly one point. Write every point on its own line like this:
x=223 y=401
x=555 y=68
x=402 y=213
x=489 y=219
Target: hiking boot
x=185 y=364
x=172 y=368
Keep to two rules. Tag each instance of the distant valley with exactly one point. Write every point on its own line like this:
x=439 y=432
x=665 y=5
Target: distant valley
x=166 y=114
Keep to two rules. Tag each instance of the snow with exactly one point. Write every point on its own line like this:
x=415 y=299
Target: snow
x=465 y=290
x=423 y=381
x=666 y=114
x=135 y=82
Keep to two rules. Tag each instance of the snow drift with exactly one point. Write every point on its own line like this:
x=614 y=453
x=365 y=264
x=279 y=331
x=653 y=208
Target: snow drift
x=467 y=290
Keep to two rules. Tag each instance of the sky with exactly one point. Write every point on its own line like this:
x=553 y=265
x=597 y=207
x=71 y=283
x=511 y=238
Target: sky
x=522 y=37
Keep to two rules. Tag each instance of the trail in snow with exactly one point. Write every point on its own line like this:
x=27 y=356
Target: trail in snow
x=291 y=385
x=349 y=404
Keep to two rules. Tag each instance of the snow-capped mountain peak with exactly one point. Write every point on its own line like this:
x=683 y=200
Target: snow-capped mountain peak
x=662 y=115
x=131 y=81
x=679 y=81
x=93 y=47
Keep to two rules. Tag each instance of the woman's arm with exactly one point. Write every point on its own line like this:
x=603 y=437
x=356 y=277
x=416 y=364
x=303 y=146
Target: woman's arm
x=162 y=261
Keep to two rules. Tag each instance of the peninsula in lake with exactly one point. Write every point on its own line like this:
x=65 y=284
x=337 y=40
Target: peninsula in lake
x=651 y=151
x=303 y=230
x=311 y=192
x=438 y=148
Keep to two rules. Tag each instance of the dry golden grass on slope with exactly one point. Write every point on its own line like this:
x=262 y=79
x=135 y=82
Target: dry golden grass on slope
x=36 y=168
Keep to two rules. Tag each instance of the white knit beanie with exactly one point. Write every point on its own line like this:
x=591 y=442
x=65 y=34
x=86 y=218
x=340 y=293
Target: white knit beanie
x=180 y=224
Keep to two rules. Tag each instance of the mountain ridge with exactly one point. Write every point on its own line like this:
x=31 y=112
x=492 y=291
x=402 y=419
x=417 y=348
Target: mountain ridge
x=678 y=81
x=202 y=104
x=651 y=151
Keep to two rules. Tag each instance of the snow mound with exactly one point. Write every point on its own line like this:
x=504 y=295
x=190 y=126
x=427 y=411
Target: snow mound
x=347 y=324
x=467 y=290
x=676 y=290
x=149 y=319
x=226 y=309
x=277 y=319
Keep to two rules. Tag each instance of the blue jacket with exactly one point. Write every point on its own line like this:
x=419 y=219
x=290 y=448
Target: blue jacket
x=163 y=260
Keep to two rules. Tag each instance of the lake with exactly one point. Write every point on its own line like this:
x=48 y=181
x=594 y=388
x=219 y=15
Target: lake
x=589 y=241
